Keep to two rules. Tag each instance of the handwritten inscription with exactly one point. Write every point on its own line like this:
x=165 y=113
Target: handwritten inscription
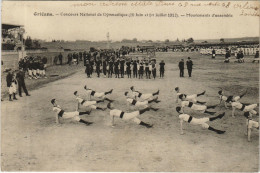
x=244 y=8
x=249 y=9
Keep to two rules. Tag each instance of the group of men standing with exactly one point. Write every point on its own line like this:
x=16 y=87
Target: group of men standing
x=35 y=65
x=189 y=64
x=122 y=66
x=239 y=55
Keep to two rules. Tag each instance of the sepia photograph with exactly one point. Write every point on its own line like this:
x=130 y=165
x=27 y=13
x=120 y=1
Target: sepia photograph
x=130 y=86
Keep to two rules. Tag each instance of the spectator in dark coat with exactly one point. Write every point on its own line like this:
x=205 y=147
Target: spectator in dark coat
x=153 y=69
x=189 y=65
x=227 y=56
x=84 y=57
x=128 y=68
x=104 y=67
x=181 y=67
x=21 y=83
x=91 y=63
x=98 y=64
x=60 y=58
x=9 y=78
x=141 y=70
x=110 y=71
x=135 y=69
x=162 y=64
x=147 y=72
x=213 y=53
x=87 y=69
x=122 y=67
x=70 y=59
x=116 y=66
x=80 y=56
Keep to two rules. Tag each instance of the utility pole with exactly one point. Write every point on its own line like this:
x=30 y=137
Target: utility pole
x=108 y=41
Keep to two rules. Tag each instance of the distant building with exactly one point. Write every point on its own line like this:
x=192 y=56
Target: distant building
x=12 y=37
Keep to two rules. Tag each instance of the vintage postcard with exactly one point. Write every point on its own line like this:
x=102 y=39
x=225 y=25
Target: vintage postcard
x=130 y=86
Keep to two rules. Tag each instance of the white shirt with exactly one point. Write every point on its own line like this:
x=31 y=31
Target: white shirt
x=150 y=67
x=237 y=105
x=79 y=99
x=223 y=97
x=115 y=112
x=251 y=123
x=56 y=109
x=88 y=91
x=131 y=94
x=135 y=94
x=179 y=94
x=185 y=103
x=129 y=100
x=184 y=117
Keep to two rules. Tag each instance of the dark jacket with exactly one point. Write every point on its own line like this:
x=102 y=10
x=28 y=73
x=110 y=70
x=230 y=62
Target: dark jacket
x=162 y=64
x=60 y=56
x=44 y=60
x=20 y=76
x=189 y=64
x=227 y=55
x=134 y=65
x=122 y=63
x=181 y=65
x=98 y=63
x=9 y=78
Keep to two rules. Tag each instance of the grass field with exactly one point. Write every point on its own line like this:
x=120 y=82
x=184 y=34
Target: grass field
x=31 y=141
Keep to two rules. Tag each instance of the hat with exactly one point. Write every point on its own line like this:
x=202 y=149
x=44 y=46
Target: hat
x=229 y=99
x=180 y=96
x=75 y=93
x=109 y=105
x=178 y=109
x=246 y=114
x=52 y=101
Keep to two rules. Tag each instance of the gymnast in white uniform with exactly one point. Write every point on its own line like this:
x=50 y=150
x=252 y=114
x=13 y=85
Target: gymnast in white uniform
x=243 y=107
x=85 y=103
x=202 y=108
x=191 y=98
x=228 y=99
x=100 y=95
x=198 y=121
x=60 y=113
x=136 y=94
x=250 y=124
x=129 y=115
x=141 y=103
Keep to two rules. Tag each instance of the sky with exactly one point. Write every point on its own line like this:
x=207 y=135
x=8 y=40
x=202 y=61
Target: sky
x=143 y=28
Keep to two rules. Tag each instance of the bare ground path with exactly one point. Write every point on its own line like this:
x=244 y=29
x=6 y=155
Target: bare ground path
x=31 y=141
